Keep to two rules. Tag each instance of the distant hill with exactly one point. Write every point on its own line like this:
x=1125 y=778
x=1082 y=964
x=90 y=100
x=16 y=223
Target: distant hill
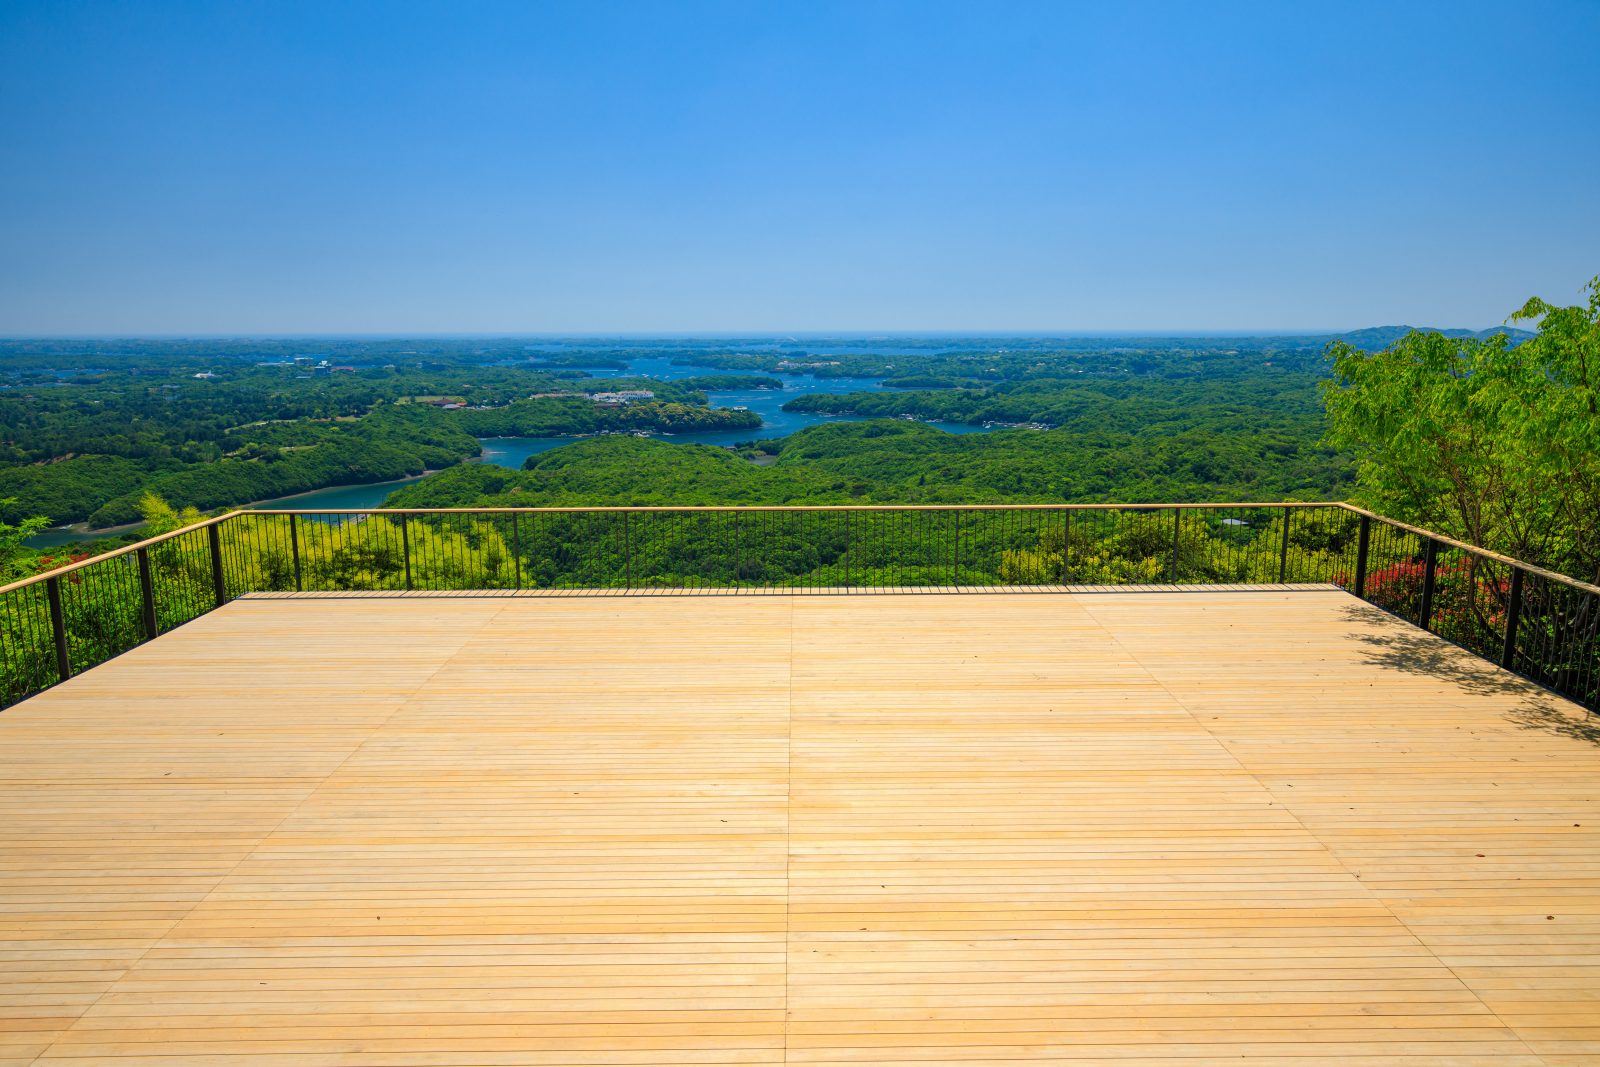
x=1375 y=337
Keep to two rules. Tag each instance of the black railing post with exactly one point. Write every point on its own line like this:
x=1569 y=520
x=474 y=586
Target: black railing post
x=738 y=550
x=147 y=592
x=405 y=545
x=218 y=586
x=955 y=576
x=516 y=544
x=1430 y=562
x=1362 y=543
x=1508 y=652
x=58 y=627
x=1283 y=551
x=627 y=549
x=1177 y=528
x=1066 y=542
x=849 y=520
x=294 y=548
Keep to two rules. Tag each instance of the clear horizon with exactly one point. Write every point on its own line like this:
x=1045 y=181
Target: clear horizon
x=204 y=169
x=729 y=335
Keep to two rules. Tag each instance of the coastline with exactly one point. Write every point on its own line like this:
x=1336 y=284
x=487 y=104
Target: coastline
x=261 y=505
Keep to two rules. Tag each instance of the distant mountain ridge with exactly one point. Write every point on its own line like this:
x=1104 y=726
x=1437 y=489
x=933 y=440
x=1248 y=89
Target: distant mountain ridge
x=1376 y=337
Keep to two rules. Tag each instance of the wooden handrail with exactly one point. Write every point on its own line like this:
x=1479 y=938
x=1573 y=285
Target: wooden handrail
x=68 y=568
x=1483 y=553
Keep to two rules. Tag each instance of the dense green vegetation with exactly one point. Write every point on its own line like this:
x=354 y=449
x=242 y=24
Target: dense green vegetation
x=283 y=458
x=1285 y=405
x=90 y=426
x=201 y=429
x=1492 y=444
x=576 y=416
x=900 y=462
x=729 y=383
x=16 y=560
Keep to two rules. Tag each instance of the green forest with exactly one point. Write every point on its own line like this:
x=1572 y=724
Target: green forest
x=83 y=442
x=897 y=461
x=91 y=427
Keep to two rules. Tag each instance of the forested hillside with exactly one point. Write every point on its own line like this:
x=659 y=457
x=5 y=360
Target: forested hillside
x=82 y=440
x=901 y=462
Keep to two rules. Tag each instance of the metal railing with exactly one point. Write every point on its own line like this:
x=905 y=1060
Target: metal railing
x=1539 y=624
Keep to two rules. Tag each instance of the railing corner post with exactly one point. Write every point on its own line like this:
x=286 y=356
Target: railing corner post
x=955 y=576
x=1430 y=568
x=1363 y=541
x=218 y=586
x=1066 y=543
x=405 y=545
x=1283 y=550
x=58 y=628
x=516 y=544
x=1508 y=651
x=294 y=549
x=147 y=593
x=1177 y=529
x=627 y=551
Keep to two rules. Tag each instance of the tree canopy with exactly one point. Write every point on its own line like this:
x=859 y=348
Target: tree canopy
x=1479 y=439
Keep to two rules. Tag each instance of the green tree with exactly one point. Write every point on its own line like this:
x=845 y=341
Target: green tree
x=17 y=560
x=1494 y=444
x=161 y=517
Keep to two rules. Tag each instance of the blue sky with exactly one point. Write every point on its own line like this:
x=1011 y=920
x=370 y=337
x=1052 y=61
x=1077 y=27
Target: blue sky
x=479 y=167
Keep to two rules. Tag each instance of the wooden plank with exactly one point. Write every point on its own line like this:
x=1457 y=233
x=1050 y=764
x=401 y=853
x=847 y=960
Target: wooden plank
x=1027 y=825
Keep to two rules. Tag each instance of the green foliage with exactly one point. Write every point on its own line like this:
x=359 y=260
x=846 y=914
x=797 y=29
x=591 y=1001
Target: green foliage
x=575 y=416
x=86 y=445
x=67 y=490
x=729 y=383
x=161 y=517
x=888 y=462
x=1488 y=443
x=16 y=559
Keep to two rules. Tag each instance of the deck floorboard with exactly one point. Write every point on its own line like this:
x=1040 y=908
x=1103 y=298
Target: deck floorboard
x=1261 y=826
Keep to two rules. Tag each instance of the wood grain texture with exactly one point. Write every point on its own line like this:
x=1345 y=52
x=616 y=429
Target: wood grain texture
x=1273 y=827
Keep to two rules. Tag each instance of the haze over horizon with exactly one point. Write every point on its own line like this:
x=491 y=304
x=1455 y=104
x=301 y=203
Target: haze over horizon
x=195 y=169
x=726 y=335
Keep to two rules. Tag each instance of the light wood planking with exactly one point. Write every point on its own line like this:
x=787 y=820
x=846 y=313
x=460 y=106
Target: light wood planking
x=1269 y=827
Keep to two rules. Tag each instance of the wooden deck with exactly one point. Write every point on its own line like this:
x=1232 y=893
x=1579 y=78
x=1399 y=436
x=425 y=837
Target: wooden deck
x=1133 y=828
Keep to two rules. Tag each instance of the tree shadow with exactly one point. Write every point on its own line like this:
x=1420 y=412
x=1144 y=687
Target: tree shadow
x=1395 y=644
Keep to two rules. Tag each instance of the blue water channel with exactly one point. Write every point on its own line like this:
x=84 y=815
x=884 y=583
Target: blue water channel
x=512 y=451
